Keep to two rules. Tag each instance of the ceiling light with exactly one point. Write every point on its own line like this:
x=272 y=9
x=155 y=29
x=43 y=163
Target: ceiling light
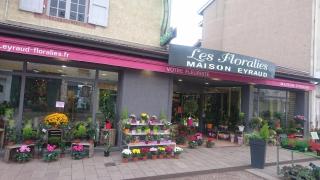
x=59 y=70
x=206 y=83
x=64 y=66
x=103 y=74
x=216 y=79
x=179 y=80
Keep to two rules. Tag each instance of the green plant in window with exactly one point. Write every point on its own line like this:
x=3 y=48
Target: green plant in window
x=107 y=105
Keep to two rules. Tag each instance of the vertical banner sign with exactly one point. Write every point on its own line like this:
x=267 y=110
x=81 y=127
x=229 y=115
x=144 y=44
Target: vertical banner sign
x=206 y=59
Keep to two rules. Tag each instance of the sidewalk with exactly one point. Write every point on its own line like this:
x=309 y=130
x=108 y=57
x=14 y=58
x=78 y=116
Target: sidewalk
x=192 y=161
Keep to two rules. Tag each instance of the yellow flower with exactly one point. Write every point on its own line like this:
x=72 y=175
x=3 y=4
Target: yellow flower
x=56 y=119
x=136 y=151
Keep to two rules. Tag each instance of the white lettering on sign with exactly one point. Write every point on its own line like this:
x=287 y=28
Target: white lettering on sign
x=191 y=72
x=34 y=50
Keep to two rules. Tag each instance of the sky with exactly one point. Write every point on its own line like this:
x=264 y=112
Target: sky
x=184 y=16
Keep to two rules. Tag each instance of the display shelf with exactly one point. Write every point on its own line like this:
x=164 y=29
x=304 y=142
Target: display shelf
x=151 y=143
x=146 y=124
x=143 y=134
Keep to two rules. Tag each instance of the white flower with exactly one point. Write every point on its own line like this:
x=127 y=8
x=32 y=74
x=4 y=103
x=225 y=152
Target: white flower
x=132 y=116
x=126 y=151
x=154 y=117
x=178 y=149
x=153 y=149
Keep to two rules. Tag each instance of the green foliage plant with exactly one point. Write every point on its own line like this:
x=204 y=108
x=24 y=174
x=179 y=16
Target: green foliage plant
x=80 y=132
x=27 y=132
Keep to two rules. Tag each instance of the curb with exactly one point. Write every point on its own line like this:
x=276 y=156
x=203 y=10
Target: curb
x=220 y=170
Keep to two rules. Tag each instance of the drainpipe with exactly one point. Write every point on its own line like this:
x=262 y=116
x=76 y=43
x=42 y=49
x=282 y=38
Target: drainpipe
x=6 y=10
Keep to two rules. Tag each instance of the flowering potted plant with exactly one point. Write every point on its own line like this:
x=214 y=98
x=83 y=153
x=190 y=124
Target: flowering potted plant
x=161 y=151
x=177 y=151
x=144 y=118
x=299 y=119
x=51 y=154
x=147 y=138
x=28 y=134
x=144 y=153
x=78 y=152
x=126 y=155
x=154 y=119
x=23 y=154
x=154 y=152
x=133 y=118
x=136 y=154
x=209 y=143
x=56 y=119
x=169 y=151
x=193 y=142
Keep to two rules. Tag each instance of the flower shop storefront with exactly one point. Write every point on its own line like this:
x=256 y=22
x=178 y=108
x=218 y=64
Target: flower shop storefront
x=38 y=79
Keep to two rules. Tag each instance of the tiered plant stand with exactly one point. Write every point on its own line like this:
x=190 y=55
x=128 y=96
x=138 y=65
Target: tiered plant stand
x=150 y=143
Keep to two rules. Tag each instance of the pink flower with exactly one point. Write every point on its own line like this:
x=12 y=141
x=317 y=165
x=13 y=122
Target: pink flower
x=50 y=148
x=78 y=148
x=24 y=148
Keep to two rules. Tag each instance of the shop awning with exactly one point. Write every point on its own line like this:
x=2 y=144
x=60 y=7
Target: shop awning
x=69 y=53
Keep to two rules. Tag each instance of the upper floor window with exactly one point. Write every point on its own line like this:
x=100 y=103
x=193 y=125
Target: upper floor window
x=69 y=9
x=93 y=11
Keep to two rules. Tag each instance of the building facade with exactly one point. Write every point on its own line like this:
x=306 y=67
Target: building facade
x=279 y=32
x=72 y=55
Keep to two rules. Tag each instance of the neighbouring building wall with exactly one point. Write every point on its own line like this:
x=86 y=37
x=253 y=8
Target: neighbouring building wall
x=132 y=21
x=277 y=31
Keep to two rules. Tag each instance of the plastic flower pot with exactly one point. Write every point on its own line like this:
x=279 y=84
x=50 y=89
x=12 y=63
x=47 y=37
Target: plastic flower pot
x=135 y=159
x=106 y=153
x=145 y=157
x=160 y=156
x=258 y=153
x=125 y=160
x=176 y=156
x=154 y=157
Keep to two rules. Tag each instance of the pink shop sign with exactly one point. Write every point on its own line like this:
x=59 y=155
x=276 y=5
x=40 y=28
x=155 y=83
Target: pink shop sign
x=61 y=52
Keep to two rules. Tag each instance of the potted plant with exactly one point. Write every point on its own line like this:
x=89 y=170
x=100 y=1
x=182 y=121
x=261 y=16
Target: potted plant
x=23 y=154
x=177 y=151
x=154 y=152
x=80 y=133
x=28 y=134
x=78 y=152
x=258 y=142
x=192 y=142
x=155 y=129
x=62 y=147
x=126 y=155
x=169 y=151
x=161 y=152
x=11 y=134
x=107 y=107
x=157 y=138
x=241 y=121
x=144 y=153
x=144 y=118
x=147 y=129
x=51 y=153
x=55 y=120
x=107 y=145
x=147 y=138
x=136 y=154
x=209 y=143
x=139 y=130
x=91 y=133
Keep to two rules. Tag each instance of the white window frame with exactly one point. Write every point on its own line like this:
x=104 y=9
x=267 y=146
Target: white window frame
x=68 y=11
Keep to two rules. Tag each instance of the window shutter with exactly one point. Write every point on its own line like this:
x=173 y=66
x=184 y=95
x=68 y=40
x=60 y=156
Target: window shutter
x=98 y=12
x=35 y=6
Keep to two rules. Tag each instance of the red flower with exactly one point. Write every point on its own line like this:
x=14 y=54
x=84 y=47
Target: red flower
x=144 y=150
x=210 y=139
x=169 y=149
